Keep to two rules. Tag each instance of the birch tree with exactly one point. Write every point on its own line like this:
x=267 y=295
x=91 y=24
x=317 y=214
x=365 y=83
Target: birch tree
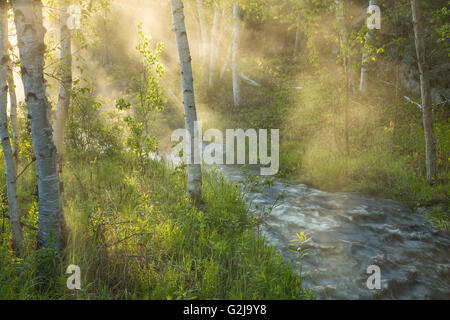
x=201 y=21
x=297 y=36
x=427 y=108
x=226 y=62
x=214 y=42
x=13 y=103
x=30 y=35
x=224 y=58
x=204 y=38
x=13 y=113
x=343 y=36
x=10 y=164
x=344 y=49
x=194 y=187
x=364 y=81
x=235 y=56
x=62 y=107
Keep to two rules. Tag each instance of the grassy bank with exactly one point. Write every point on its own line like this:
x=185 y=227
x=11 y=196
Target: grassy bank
x=135 y=236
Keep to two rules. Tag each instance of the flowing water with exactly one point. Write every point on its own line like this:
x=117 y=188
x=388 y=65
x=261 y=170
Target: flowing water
x=348 y=233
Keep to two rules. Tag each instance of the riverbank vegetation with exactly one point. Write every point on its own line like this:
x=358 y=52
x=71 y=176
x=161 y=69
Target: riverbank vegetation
x=78 y=152
x=135 y=235
x=334 y=136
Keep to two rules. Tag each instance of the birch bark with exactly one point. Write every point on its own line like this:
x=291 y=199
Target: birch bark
x=427 y=107
x=364 y=81
x=212 y=56
x=62 y=107
x=13 y=113
x=30 y=35
x=235 y=57
x=204 y=39
x=297 y=36
x=10 y=164
x=194 y=188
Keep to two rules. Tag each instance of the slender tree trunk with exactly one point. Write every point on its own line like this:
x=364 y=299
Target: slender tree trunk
x=343 y=36
x=297 y=37
x=219 y=42
x=235 y=57
x=397 y=90
x=225 y=60
x=212 y=57
x=397 y=80
x=364 y=81
x=198 y=29
x=201 y=21
x=346 y=115
x=13 y=107
x=340 y=13
x=204 y=38
x=430 y=141
x=30 y=35
x=194 y=170
x=222 y=29
x=62 y=108
x=13 y=114
x=10 y=164
x=105 y=55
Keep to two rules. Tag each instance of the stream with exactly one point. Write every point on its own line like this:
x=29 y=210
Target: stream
x=348 y=233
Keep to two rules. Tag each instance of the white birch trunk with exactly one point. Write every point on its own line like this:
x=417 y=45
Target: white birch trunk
x=225 y=61
x=430 y=140
x=13 y=107
x=62 y=107
x=30 y=35
x=343 y=36
x=13 y=114
x=297 y=37
x=212 y=56
x=198 y=29
x=342 y=32
x=364 y=81
x=235 y=57
x=194 y=188
x=204 y=38
x=221 y=32
x=10 y=164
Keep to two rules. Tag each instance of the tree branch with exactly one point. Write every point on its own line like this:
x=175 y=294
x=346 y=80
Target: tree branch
x=26 y=167
x=126 y=238
x=21 y=223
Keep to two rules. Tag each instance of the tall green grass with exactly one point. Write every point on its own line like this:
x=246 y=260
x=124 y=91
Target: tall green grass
x=134 y=235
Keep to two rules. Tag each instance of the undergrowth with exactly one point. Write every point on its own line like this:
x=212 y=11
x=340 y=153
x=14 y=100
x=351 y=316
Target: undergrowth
x=135 y=235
